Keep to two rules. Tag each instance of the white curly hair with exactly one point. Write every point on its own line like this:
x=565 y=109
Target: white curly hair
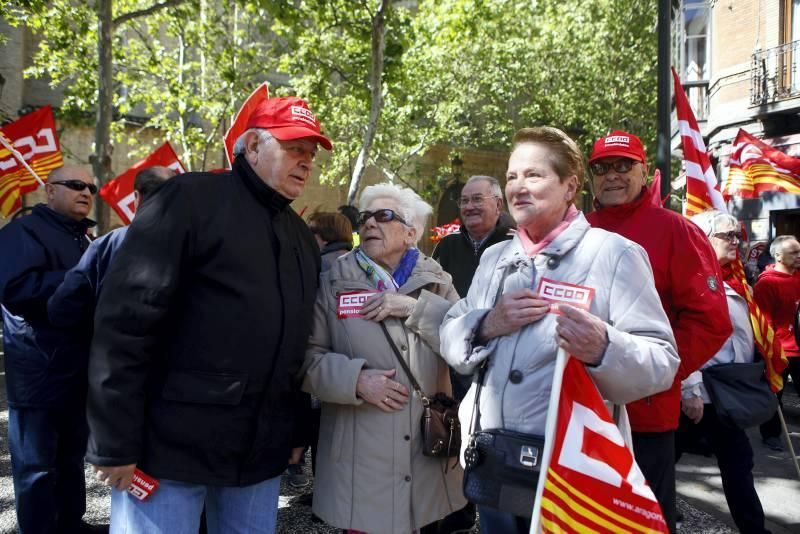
x=413 y=209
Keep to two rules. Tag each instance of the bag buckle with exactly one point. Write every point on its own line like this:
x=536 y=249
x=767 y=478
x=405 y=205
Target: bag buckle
x=528 y=455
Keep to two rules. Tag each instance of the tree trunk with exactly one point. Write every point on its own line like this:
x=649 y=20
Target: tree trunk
x=101 y=159
x=376 y=97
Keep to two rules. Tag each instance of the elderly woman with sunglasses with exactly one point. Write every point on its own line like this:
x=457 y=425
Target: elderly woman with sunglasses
x=699 y=420
x=508 y=321
x=371 y=474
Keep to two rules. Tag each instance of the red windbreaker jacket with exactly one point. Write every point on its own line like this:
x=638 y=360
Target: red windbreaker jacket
x=777 y=295
x=689 y=281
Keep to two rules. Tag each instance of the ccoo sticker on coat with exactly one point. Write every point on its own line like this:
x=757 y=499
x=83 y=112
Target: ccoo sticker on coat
x=557 y=292
x=350 y=304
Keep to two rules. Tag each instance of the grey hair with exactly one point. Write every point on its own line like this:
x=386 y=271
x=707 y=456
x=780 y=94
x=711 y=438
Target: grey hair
x=494 y=185
x=776 y=247
x=413 y=209
x=263 y=136
x=709 y=221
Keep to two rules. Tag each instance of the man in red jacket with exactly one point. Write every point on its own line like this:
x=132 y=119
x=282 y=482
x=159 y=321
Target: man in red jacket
x=688 y=280
x=777 y=294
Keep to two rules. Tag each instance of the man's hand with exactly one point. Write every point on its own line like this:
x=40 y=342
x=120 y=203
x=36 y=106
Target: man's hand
x=388 y=304
x=376 y=387
x=581 y=334
x=693 y=408
x=118 y=477
x=513 y=311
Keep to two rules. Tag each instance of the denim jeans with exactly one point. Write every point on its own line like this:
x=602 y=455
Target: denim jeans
x=175 y=508
x=47 y=446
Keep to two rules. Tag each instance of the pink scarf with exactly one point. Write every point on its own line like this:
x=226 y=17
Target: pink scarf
x=531 y=248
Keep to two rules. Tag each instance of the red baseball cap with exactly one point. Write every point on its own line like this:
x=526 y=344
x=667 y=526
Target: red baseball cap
x=619 y=143
x=288 y=118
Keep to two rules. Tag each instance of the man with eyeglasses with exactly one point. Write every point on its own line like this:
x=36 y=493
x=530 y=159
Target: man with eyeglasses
x=777 y=293
x=688 y=280
x=46 y=392
x=200 y=330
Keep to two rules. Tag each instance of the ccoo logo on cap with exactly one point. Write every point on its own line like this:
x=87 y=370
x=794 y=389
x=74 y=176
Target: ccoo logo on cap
x=619 y=144
x=288 y=118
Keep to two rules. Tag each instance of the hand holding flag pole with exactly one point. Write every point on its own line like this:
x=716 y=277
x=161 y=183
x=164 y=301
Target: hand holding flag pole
x=6 y=143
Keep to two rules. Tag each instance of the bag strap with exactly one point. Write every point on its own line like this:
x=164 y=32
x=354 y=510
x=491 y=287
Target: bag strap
x=404 y=365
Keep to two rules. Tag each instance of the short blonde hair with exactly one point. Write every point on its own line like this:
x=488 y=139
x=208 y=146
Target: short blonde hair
x=565 y=156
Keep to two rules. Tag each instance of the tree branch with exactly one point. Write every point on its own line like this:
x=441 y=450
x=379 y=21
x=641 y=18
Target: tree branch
x=146 y=11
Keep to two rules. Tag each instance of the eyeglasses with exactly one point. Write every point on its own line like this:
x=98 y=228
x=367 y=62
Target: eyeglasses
x=381 y=216
x=76 y=185
x=728 y=236
x=476 y=200
x=600 y=168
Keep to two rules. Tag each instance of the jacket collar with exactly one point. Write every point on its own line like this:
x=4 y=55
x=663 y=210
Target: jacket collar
x=346 y=275
x=622 y=211
x=560 y=246
x=263 y=193
x=57 y=219
x=333 y=246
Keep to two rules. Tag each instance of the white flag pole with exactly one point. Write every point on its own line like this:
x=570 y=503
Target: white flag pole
x=549 y=437
x=19 y=158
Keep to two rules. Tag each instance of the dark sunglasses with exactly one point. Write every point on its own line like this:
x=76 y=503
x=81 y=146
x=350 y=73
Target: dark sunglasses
x=728 y=236
x=381 y=216
x=76 y=185
x=599 y=168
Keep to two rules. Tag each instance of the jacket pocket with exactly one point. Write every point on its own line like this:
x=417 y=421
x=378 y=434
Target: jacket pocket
x=200 y=387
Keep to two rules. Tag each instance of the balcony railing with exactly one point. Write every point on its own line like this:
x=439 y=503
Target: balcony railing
x=775 y=74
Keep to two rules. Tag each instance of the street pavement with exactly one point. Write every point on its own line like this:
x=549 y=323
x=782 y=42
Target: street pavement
x=700 y=496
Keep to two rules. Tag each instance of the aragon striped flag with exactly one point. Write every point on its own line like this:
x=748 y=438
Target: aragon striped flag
x=590 y=482
x=34 y=137
x=756 y=167
x=702 y=188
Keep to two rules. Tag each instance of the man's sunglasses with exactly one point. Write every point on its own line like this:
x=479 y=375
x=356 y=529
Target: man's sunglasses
x=728 y=236
x=381 y=216
x=76 y=185
x=600 y=168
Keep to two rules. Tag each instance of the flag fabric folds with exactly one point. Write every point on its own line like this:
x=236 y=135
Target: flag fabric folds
x=756 y=167
x=34 y=137
x=260 y=94
x=118 y=193
x=702 y=188
x=592 y=483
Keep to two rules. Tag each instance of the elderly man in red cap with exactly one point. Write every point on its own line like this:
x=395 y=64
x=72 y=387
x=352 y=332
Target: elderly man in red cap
x=201 y=325
x=688 y=280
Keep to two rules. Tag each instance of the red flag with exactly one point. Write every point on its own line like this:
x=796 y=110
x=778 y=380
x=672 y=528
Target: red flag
x=260 y=94
x=118 y=193
x=702 y=188
x=34 y=137
x=591 y=482
x=755 y=168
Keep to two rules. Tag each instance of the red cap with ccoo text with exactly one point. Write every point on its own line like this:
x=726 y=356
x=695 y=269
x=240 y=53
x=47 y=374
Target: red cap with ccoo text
x=288 y=118
x=619 y=143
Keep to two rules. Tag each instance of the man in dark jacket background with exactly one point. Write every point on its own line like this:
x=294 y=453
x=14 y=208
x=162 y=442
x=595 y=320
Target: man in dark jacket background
x=201 y=325
x=45 y=377
x=688 y=280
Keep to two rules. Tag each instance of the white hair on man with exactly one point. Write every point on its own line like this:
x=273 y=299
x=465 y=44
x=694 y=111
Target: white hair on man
x=494 y=185
x=711 y=220
x=413 y=209
x=263 y=136
x=776 y=247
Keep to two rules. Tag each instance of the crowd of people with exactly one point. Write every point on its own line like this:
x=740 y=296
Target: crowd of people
x=203 y=349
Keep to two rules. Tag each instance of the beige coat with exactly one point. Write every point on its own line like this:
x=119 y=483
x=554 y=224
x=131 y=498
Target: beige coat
x=371 y=474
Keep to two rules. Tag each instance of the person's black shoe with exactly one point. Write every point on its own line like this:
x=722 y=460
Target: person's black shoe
x=297 y=479
x=86 y=528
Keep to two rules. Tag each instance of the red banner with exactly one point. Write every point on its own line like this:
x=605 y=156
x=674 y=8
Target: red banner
x=118 y=193
x=34 y=137
x=238 y=127
x=755 y=168
x=593 y=483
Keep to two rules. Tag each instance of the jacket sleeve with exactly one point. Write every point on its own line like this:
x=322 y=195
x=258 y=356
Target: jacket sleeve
x=73 y=303
x=26 y=281
x=133 y=304
x=328 y=375
x=640 y=359
x=428 y=314
x=700 y=319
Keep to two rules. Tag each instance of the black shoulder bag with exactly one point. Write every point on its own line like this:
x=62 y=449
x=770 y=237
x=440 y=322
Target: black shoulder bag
x=740 y=394
x=440 y=428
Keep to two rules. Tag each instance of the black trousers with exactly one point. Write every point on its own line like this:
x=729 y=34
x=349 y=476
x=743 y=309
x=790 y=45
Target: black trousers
x=655 y=455
x=735 y=460
x=772 y=428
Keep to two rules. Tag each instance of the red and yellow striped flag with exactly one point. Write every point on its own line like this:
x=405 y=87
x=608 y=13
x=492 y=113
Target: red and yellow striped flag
x=755 y=168
x=702 y=188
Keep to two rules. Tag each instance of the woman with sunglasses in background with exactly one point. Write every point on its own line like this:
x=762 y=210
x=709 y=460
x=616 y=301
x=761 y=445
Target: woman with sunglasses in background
x=371 y=474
